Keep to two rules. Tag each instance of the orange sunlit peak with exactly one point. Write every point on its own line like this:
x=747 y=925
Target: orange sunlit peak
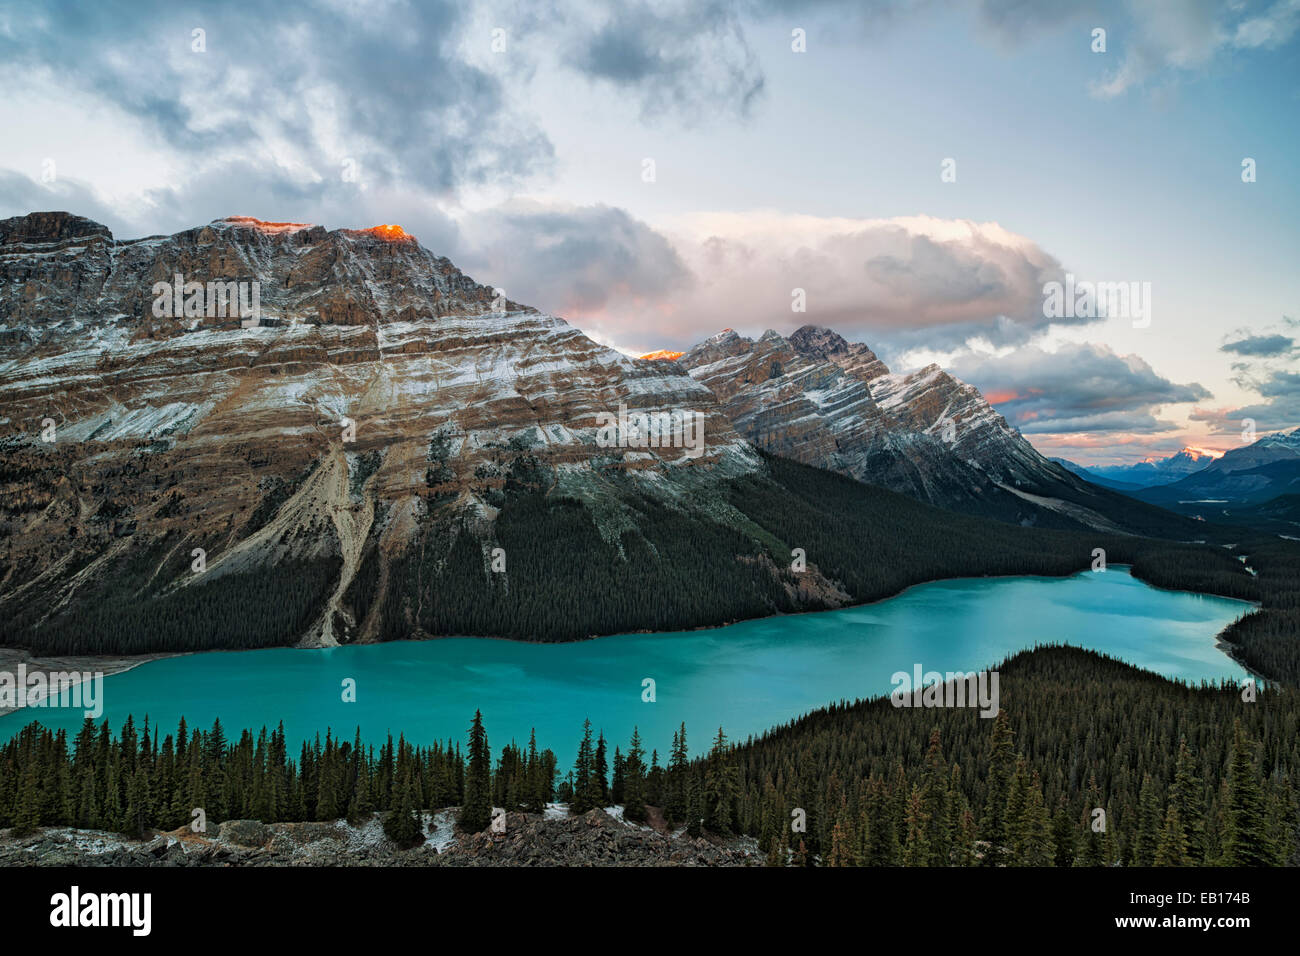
x=1210 y=452
x=389 y=232
x=663 y=355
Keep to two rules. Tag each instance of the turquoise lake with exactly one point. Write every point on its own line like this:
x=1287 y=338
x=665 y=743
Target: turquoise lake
x=746 y=677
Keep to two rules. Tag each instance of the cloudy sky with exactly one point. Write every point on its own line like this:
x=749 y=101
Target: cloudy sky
x=657 y=171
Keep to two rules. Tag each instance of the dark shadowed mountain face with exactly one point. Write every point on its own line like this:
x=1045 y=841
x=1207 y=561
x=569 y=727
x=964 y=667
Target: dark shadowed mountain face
x=821 y=400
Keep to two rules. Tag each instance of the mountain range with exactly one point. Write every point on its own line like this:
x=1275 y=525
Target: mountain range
x=379 y=447
x=1254 y=484
x=1143 y=474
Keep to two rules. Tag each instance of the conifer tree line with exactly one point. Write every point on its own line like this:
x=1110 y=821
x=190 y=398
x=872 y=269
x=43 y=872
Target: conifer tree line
x=1090 y=762
x=1182 y=776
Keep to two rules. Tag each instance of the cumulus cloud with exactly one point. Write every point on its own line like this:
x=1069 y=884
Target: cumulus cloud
x=938 y=279
x=888 y=281
x=1076 y=388
x=891 y=282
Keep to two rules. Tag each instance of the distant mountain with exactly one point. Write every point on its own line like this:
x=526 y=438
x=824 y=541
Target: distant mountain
x=1245 y=476
x=821 y=400
x=1275 y=447
x=1088 y=475
x=1145 y=474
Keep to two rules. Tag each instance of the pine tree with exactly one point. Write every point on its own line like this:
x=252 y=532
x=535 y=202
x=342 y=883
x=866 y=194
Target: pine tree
x=138 y=806
x=1033 y=845
x=1246 y=840
x=112 y=814
x=1064 y=834
x=616 y=786
x=916 y=848
x=362 y=804
x=27 y=816
x=1149 y=823
x=476 y=811
x=882 y=836
x=586 y=792
x=1017 y=800
x=993 y=827
x=778 y=851
x=1188 y=795
x=634 y=780
x=654 y=781
x=935 y=799
x=961 y=849
x=600 y=767
x=722 y=787
x=695 y=804
x=87 y=816
x=1172 y=850
x=536 y=791
x=843 y=843
x=1094 y=839
x=965 y=854
x=675 y=804
x=402 y=824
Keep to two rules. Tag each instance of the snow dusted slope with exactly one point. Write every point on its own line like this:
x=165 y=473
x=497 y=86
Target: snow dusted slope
x=824 y=401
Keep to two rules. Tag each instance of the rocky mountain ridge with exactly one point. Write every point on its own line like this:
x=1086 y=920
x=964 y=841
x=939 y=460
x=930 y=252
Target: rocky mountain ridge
x=824 y=401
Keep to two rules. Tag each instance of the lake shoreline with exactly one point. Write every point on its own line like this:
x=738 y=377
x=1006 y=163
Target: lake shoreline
x=120 y=663
x=761 y=673
x=12 y=657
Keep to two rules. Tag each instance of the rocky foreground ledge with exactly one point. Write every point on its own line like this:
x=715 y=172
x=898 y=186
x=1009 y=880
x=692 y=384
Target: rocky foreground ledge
x=598 y=838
